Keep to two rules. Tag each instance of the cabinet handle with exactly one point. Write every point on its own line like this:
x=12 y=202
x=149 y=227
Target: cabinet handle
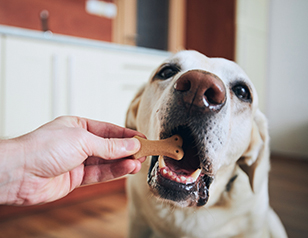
x=44 y=16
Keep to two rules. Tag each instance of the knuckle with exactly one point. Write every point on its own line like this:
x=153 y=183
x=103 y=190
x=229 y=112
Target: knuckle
x=111 y=148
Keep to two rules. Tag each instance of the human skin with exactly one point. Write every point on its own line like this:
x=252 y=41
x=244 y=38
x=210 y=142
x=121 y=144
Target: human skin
x=48 y=163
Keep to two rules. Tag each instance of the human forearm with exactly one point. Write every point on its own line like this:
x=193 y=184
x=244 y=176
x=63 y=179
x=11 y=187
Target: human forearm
x=11 y=171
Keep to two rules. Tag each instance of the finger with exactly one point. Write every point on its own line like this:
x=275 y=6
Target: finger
x=109 y=171
x=92 y=160
x=108 y=130
x=99 y=128
x=137 y=168
x=113 y=148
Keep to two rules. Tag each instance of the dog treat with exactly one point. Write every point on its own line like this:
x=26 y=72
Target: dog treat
x=171 y=147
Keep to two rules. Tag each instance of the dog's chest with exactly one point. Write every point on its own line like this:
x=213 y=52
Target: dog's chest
x=167 y=221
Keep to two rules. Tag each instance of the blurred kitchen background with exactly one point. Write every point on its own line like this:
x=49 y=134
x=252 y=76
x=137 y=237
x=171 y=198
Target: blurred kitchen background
x=89 y=57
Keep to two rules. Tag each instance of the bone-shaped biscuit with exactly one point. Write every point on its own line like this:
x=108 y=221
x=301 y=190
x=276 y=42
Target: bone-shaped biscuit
x=171 y=147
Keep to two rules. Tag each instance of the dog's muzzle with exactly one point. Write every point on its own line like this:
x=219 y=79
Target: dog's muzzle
x=197 y=96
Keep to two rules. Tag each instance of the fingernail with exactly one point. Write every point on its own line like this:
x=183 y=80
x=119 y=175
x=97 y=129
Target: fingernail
x=132 y=144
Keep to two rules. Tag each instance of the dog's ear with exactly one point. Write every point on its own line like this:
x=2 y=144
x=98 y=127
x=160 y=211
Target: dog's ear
x=132 y=111
x=257 y=149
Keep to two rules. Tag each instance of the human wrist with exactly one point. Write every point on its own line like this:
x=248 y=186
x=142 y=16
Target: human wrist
x=11 y=171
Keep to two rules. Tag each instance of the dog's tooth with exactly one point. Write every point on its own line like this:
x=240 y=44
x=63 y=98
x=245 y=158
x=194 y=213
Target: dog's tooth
x=164 y=171
x=178 y=180
x=183 y=179
x=170 y=173
x=196 y=174
x=161 y=162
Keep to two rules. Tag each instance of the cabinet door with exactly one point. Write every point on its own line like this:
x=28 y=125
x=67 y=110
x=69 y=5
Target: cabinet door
x=42 y=80
x=103 y=83
x=28 y=86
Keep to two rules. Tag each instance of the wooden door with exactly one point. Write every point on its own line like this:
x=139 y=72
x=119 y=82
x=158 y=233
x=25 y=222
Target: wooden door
x=210 y=27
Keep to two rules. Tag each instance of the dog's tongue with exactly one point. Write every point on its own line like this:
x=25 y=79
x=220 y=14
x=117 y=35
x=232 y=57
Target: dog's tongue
x=176 y=167
x=172 y=170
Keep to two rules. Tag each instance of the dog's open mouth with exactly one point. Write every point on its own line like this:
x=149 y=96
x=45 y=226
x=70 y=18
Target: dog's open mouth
x=182 y=181
x=169 y=168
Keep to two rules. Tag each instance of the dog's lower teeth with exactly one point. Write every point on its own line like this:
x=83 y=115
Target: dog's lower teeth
x=164 y=171
x=185 y=179
x=167 y=173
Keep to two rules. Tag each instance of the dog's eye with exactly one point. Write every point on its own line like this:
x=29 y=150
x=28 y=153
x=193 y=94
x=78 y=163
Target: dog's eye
x=168 y=72
x=242 y=92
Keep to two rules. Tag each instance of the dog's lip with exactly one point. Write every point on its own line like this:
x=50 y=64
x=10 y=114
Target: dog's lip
x=166 y=188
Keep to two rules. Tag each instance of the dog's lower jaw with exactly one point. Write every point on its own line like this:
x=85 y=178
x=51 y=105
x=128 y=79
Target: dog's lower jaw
x=204 y=193
x=178 y=194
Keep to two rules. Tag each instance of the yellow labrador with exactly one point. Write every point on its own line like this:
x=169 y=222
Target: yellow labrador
x=220 y=187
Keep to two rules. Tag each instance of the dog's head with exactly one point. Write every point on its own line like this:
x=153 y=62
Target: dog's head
x=212 y=105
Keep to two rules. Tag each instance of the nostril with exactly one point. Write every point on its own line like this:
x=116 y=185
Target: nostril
x=210 y=96
x=215 y=96
x=183 y=85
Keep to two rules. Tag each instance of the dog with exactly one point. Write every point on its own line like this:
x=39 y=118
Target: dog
x=220 y=187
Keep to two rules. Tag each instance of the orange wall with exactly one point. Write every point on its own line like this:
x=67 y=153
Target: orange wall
x=65 y=17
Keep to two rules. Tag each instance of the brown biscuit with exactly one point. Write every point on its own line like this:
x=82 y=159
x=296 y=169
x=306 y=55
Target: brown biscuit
x=171 y=147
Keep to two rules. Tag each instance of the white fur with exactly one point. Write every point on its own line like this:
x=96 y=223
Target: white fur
x=242 y=212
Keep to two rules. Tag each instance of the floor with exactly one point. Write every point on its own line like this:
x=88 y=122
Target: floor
x=288 y=187
x=106 y=216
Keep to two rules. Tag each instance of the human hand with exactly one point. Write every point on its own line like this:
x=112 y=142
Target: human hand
x=50 y=162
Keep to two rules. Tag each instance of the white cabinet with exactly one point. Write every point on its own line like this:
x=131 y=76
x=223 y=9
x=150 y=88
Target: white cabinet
x=42 y=79
x=103 y=87
x=27 y=83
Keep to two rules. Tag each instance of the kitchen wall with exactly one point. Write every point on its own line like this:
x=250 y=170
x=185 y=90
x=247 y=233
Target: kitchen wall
x=251 y=43
x=272 y=47
x=287 y=103
x=65 y=17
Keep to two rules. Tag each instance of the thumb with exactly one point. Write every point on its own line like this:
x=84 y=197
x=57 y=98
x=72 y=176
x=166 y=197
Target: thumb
x=116 y=148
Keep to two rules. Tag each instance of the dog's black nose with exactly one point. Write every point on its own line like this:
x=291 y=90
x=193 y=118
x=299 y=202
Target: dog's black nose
x=201 y=89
